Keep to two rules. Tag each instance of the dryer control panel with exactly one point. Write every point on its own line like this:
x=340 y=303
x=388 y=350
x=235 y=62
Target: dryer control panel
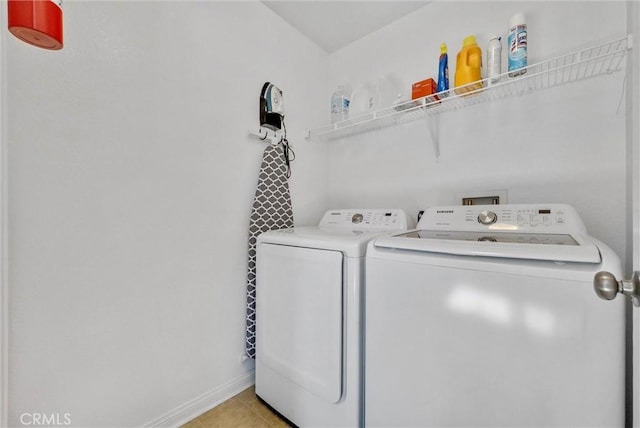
x=550 y=218
x=366 y=219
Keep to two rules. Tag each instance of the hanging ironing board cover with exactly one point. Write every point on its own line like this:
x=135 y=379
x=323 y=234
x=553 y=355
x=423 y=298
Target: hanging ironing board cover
x=271 y=210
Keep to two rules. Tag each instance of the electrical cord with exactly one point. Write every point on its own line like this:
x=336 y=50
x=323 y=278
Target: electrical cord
x=289 y=154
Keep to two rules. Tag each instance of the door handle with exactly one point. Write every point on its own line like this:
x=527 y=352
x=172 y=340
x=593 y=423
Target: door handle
x=607 y=286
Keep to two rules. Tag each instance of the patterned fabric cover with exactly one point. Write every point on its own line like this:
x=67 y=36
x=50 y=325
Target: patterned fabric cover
x=271 y=210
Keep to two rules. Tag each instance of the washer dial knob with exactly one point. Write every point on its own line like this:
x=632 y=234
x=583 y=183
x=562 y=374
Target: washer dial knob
x=487 y=217
x=357 y=218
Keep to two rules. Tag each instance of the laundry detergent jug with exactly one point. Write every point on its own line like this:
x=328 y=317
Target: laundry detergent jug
x=468 y=66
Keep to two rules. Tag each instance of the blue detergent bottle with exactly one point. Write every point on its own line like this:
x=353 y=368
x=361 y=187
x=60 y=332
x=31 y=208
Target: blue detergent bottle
x=443 y=70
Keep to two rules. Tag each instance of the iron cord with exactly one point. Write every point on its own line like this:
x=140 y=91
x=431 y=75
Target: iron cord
x=289 y=154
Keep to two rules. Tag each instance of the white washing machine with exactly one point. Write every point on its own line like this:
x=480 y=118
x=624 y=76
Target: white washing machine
x=486 y=316
x=309 y=316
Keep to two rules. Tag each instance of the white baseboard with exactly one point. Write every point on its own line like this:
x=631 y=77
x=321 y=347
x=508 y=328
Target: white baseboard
x=205 y=402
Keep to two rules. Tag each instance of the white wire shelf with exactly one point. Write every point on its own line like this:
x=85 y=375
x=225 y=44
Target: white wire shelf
x=595 y=61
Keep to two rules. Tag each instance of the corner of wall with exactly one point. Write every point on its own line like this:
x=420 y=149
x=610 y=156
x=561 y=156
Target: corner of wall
x=205 y=402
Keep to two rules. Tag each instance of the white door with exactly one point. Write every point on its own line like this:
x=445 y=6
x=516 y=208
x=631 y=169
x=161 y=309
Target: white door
x=633 y=144
x=4 y=317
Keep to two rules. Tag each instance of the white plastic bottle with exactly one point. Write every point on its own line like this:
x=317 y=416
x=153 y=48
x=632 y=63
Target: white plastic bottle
x=339 y=105
x=494 y=60
x=517 y=45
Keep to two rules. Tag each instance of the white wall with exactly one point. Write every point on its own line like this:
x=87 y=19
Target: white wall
x=131 y=182
x=565 y=144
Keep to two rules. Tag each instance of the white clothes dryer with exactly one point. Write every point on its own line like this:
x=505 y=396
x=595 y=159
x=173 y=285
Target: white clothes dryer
x=486 y=316
x=309 y=316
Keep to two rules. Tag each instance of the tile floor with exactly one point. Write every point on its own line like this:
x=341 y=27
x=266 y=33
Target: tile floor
x=243 y=410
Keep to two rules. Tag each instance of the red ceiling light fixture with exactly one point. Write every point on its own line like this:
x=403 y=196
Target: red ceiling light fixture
x=37 y=22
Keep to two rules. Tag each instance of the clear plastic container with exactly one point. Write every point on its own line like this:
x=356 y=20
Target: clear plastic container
x=339 y=105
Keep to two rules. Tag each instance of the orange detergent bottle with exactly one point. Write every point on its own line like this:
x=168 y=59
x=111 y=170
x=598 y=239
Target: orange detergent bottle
x=468 y=66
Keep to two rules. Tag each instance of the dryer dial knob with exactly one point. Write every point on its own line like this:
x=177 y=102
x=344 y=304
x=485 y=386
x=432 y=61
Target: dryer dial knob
x=487 y=217
x=357 y=218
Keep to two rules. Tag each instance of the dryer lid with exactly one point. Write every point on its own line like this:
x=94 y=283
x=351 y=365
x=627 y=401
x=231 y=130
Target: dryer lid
x=352 y=243
x=346 y=230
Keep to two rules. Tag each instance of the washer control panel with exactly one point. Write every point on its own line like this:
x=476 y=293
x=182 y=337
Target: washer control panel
x=366 y=219
x=487 y=217
x=551 y=218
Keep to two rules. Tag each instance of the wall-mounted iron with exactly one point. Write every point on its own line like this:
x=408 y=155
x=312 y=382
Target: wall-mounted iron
x=272 y=128
x=271 y=106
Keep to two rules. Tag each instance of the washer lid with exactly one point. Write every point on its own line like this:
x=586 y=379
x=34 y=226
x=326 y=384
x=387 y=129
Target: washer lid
x=531 y=246
x=522 y=231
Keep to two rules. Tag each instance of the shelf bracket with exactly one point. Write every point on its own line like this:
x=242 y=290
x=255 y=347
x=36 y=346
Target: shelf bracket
x=433 y=122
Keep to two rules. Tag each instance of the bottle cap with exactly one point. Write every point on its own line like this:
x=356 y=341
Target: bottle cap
x=469 y=40
x=517 y=19
x=443 y=48
x=495 y=37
